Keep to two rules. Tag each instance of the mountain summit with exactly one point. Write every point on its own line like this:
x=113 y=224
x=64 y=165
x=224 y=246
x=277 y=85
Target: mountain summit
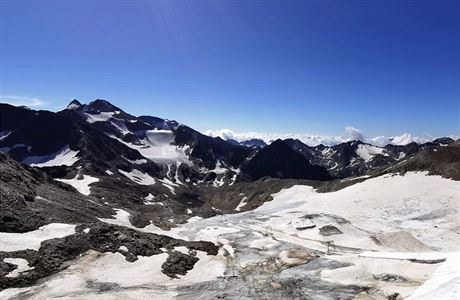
x=278 y=160
x=74 y=104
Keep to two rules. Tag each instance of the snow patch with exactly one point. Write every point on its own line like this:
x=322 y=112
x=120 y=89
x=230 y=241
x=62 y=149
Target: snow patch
x=149 y=197
x=367 y=152
x=63 y=157
x=33 y=239
x=73 y=106
x=123 y=248
x=157 y=146
x=119 y=125
x=81 y=185
x=263 y=244
x=138 y=177
x=22 y=266
x=219 y=169
x=169 y=184
x=99 y=117
x=242 y=203
x=136 y=161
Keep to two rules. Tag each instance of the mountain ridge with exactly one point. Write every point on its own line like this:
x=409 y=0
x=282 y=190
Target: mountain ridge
x=165 y=142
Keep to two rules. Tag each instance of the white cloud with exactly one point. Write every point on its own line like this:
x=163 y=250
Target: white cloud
x=351 y=133
x=403 y=139
x=22 y=101
x=267 y=137
x=354 y=133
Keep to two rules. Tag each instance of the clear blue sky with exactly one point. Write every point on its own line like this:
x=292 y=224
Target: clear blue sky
x=385 y=67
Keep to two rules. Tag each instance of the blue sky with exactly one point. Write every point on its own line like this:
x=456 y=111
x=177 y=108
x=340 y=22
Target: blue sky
x=385 y=67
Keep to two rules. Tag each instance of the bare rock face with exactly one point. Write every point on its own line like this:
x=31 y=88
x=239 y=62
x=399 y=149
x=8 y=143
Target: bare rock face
x=443 y=160
x=395 y=296
x=30 y=199
x=178 y=263
x=6 y=268
x=278 y=160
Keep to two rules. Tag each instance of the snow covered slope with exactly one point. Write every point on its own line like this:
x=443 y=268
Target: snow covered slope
x=64 y=157
x=369 y=239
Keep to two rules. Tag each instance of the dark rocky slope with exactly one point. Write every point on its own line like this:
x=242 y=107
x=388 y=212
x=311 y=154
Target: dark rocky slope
x=30 y=199
x=439 y=160
x=278 y=160
x=355 y=158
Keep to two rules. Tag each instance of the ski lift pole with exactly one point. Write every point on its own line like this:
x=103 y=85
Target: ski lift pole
x=330 y=245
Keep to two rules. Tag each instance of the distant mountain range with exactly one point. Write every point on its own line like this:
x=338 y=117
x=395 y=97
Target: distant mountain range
x=100 y=139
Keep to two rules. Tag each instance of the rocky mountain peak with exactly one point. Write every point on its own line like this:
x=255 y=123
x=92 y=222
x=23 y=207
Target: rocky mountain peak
x=74 y=104
x=279 y=160
x=100 y=105
x=257 y=143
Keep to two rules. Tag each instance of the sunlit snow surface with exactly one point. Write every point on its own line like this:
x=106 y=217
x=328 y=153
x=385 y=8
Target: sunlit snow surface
x=32 y=240
x=22 y=265
x=99 y=117
x=414 y=217
x=157 y=146
x=64 y=157
x=444 y=282
x=367 y=152
x=241 y=204
x=81 y=185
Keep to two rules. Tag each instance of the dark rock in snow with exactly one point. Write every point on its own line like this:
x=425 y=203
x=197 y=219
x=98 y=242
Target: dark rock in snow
x=328 y=230
x=54 y=254
x=389 y=277
x=178 y=263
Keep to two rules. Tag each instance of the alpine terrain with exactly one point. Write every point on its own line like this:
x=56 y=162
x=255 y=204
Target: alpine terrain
x=97 y=203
